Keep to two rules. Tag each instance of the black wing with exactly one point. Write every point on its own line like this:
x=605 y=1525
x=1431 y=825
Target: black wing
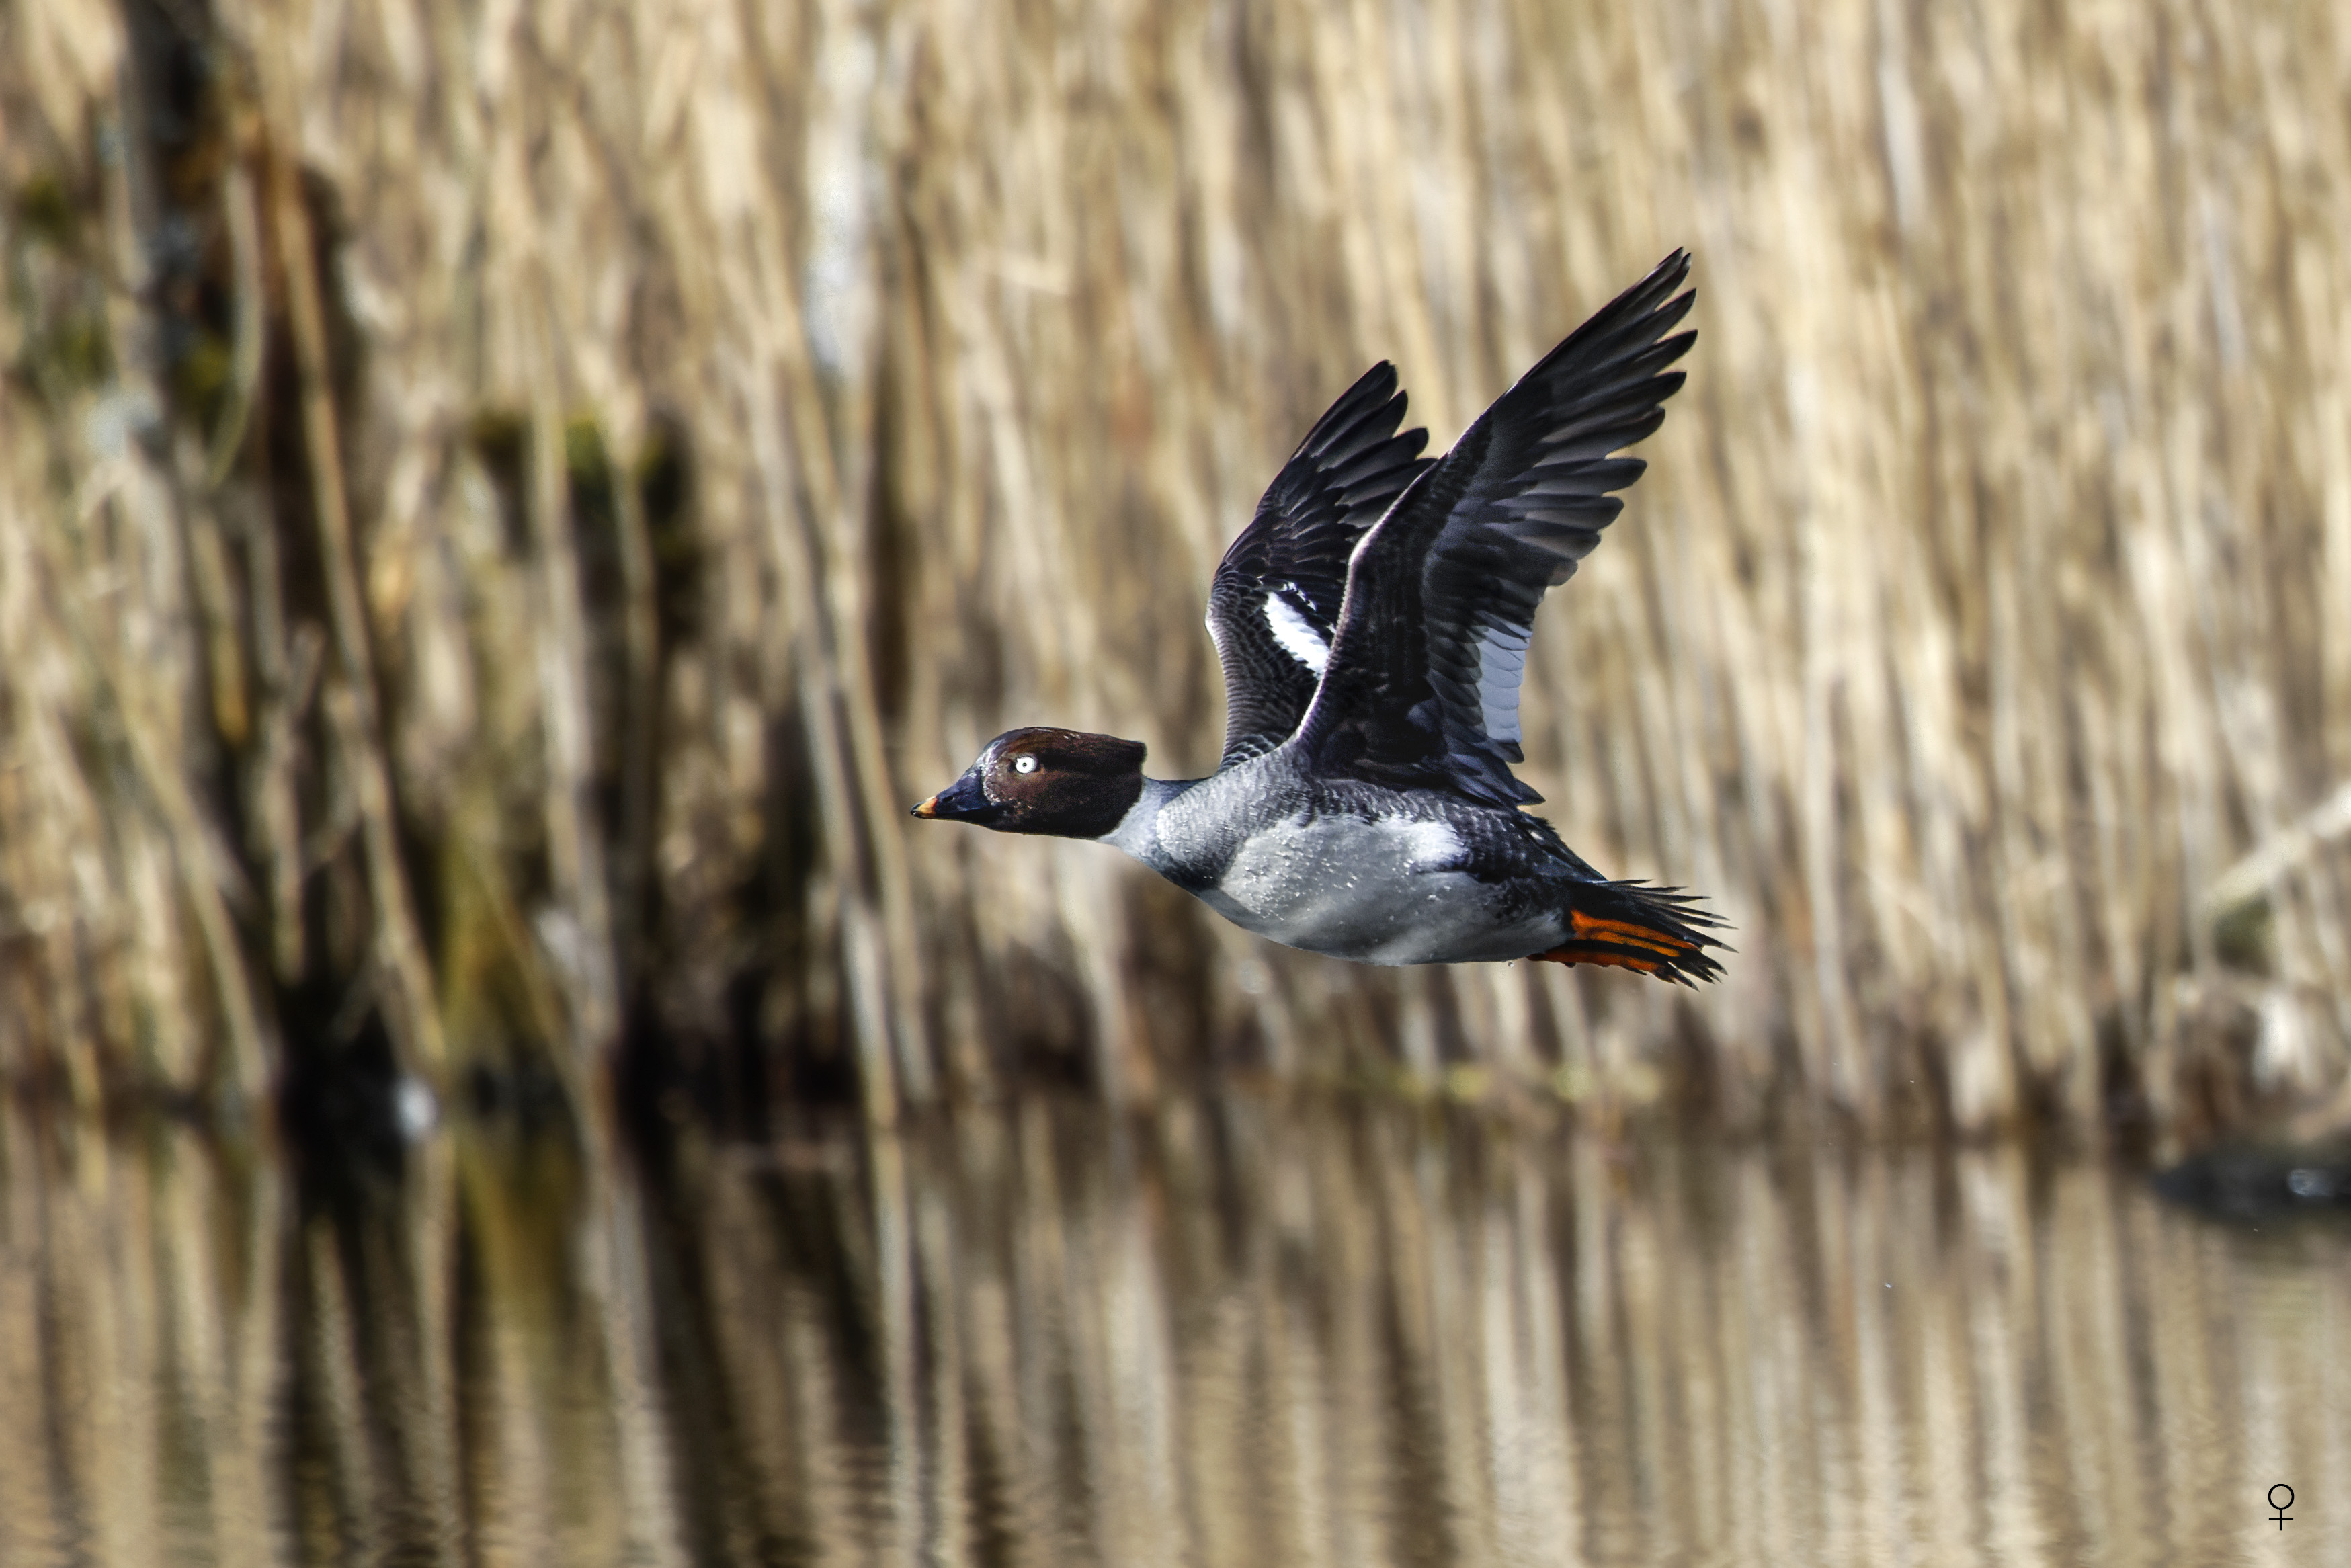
x=1277 y=593
x=1422 y=687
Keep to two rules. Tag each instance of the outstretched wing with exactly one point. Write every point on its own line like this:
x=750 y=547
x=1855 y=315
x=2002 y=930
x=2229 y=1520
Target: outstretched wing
x=1421 y=685
x=1276 y=597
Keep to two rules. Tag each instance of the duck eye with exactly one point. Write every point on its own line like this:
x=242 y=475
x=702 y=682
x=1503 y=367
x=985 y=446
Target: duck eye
x=1024 y=763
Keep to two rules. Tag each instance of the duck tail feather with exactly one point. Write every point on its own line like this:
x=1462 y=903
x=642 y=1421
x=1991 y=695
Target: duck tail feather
x=1657 y=931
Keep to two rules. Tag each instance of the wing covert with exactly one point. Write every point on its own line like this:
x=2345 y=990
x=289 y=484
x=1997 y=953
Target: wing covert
x=1274 y=603
x=1424 y=673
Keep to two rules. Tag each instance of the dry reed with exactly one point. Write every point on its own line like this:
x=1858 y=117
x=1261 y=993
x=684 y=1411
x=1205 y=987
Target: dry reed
x=504 y=505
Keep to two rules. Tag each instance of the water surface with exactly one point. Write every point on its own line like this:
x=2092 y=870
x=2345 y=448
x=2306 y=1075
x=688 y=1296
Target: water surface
x=1230 y=1333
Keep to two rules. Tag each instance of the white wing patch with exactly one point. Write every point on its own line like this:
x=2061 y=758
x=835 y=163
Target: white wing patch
x=1434 y=847
x=1295 y=634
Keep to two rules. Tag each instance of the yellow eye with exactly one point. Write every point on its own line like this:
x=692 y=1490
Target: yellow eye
x=1024 y=763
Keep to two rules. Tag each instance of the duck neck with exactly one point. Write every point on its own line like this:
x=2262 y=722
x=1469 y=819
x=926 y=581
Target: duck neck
x=1138 y=831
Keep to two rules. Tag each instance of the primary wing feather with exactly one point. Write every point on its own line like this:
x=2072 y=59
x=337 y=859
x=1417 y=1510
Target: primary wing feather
x=1274 y=603
x=1423 y=677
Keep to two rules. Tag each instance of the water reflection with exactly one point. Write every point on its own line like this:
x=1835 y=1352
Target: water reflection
x=1232 y=1335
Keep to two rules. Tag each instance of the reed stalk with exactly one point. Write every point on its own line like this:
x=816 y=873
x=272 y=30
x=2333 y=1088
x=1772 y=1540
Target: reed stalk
x=694 y=430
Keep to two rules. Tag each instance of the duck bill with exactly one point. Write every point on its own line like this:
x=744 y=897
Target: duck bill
x=962 y=801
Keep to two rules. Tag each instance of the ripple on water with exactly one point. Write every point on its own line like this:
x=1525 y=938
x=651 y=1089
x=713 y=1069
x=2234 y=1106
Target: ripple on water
x=1235 y=1334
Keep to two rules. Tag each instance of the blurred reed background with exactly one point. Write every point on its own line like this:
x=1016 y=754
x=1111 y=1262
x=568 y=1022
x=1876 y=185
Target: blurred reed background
x=504 y=505
x=1237 y=1336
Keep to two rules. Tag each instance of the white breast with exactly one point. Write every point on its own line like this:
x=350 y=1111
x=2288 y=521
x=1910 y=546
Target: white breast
x=1378 y=892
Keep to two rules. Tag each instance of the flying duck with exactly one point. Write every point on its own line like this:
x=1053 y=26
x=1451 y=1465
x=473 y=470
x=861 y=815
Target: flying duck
x=1373 y=622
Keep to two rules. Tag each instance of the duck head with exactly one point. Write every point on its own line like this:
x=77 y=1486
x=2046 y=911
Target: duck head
x=1062 y=782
